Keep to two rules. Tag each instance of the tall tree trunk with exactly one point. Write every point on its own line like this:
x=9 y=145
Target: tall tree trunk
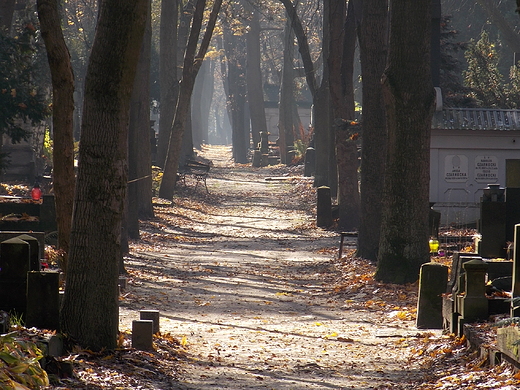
x=196 y=106
x=285 y=121
x=90 y=311
x=63 y=113
x=234 y=46
x=192 y=64
x=409 y=98
x=255 y=90
x=373 y=45
x=326 y=165
x=208 y=90
x=139 y=157
x=201 y=102
x=352 y=21
x=346 y=147
x=168 y=74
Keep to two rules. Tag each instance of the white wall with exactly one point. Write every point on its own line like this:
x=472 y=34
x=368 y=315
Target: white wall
x=462 y=163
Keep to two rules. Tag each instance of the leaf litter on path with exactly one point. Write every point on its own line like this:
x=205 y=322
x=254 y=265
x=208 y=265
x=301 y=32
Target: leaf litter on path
x=255 y=298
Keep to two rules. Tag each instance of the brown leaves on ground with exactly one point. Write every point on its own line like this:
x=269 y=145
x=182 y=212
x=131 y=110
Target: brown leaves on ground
x=449 y=361
x=360 y=290
x=124 y=368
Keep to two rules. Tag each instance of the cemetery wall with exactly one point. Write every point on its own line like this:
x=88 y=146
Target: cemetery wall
x=462 y=163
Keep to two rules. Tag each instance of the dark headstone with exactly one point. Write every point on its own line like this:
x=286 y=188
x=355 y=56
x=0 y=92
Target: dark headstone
x=142 y=335
x=153 y=315
x=14 y=259
x=34 y=245
x=433 y=279
x=493 y=229
x=43 y=301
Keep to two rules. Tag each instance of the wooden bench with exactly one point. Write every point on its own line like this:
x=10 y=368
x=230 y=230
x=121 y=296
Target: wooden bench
x=197 y=169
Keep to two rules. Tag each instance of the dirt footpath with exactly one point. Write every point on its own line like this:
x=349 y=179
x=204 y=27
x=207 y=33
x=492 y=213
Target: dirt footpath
x=245 y=283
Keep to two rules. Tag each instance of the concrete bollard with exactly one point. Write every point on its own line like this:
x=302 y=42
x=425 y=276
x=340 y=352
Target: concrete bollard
x=142 y=335
x=324 y=208
x=151 y=315
x=433 y=280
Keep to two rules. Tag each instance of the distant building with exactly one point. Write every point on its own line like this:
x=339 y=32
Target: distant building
x=469 y=149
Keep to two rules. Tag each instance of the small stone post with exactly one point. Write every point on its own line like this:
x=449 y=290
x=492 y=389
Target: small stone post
x=142 y=335
x=310 y=161
x=324 y=209
x=151 y=315
x=433 y=280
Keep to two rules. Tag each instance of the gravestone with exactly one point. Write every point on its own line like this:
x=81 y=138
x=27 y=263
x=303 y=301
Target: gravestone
x=493 y=222
x=142 y=335
x=43 y=300
x=474 y=303
x=14 y=265
x=433 y=279
x=34 y=246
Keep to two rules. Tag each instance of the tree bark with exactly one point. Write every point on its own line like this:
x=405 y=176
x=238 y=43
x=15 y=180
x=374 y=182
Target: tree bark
x=90 y=311
x=139 y=156
x=192 y=64
x=285 y=121
x=234 y=46
x=346 y=148
x=373 y=45
x=168 y=74
x=255 y=90
x=409 y=98
x=63 y=113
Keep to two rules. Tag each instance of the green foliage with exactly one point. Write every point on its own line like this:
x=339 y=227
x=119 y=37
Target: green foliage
x=451 y=67
x=507 y=322
x=484 y=78
x=20 y=98
x=19 y=364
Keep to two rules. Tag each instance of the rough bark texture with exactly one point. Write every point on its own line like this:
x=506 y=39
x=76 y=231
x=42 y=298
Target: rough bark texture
x=373 y=45
x=63 y=112
x=285 y=121
x=325 y=142
x=168 y=74
x=409 y=98
x=346 y=149
x=255 y=90
x=353 y=19
x=90 y=306
x=192 y=64
x=139 y=157
x=234 y=46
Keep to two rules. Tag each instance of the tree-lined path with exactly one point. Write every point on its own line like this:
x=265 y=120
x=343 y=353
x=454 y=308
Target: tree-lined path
x=243 y=277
